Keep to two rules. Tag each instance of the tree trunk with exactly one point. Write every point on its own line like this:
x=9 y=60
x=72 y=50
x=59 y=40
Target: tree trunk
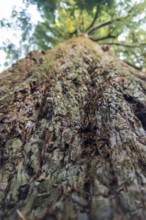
x=73 y=136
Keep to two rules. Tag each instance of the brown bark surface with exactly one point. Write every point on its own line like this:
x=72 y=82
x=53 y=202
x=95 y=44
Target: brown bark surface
x=72 y=136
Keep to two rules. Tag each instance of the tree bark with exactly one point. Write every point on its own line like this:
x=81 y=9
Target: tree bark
x=72 y=136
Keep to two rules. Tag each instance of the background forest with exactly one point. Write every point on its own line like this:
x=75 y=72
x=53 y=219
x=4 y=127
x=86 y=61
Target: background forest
x=121 y=24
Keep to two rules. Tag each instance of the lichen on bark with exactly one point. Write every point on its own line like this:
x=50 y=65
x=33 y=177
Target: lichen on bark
x=72 y=136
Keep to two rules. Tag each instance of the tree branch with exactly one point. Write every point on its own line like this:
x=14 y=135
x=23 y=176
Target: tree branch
x=126 y=45
x=132 y=65
x=94 y=20
x=105 y=24
x=102 y=38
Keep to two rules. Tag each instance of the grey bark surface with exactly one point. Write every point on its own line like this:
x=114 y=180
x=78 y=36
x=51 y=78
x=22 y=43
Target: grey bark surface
x=73 y=136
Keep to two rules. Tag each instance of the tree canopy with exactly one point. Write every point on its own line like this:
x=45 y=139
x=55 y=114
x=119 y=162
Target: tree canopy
x=117 y=23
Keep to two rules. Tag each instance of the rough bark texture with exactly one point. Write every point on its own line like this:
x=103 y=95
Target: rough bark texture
x=72 y=136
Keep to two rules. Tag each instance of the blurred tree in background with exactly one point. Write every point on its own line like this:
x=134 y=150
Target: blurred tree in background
x=120 y=24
